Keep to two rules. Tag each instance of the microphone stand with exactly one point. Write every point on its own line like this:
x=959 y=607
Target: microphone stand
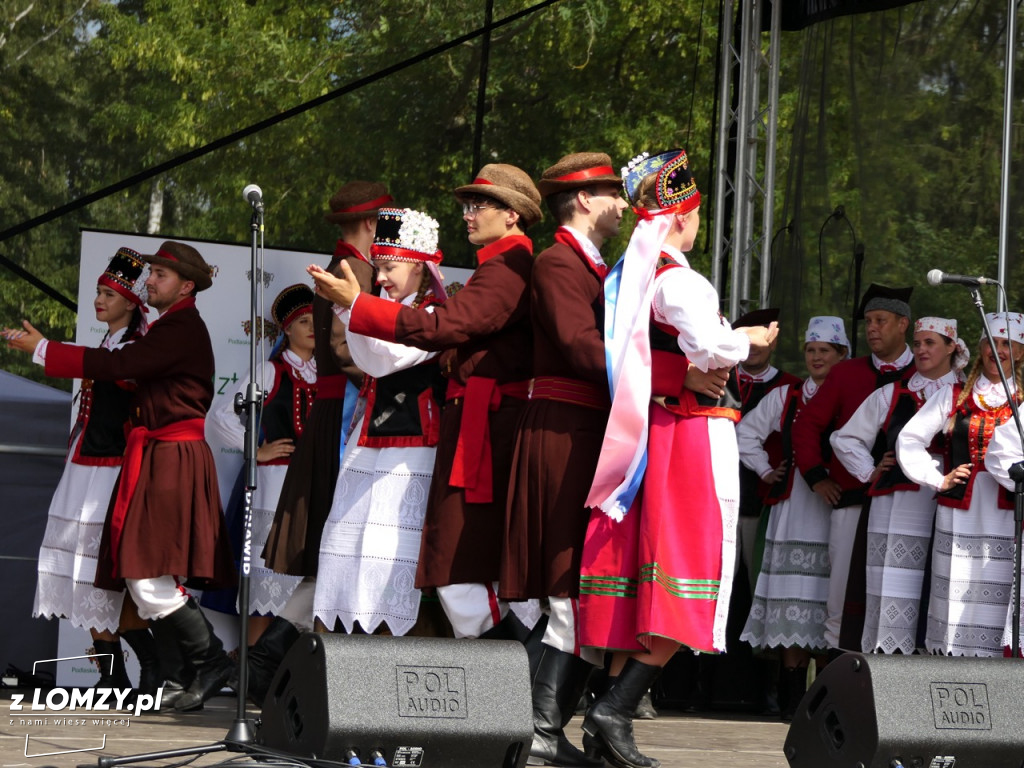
x=858 y=271
x=858 y=266
x=240 y=737
x=251 y=404
x=1017 y=474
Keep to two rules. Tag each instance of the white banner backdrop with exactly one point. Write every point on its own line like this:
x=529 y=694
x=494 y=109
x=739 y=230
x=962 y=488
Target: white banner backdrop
x=225 y=309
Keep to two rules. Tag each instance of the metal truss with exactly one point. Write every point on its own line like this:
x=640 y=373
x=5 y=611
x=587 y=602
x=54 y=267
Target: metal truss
x=744 y=192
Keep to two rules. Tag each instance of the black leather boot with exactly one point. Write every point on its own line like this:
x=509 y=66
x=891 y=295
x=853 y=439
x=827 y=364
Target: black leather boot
x=556 y=689
x=177 y=673
x=112 y=675
x=645 y=709
x=144 y=646
x=794 y=683
x=535 y=644
x=609 y=722
x=200 y=647
x=509 y=628
x=266 y=654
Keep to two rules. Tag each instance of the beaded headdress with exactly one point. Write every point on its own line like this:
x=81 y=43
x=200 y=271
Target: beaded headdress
x=675 y=190
x=403 y=234
x=127 y=274
x=293 y=301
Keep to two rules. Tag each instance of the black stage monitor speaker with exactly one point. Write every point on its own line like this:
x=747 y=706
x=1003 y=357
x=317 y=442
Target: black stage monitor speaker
x=401 y=701
x=911 y=712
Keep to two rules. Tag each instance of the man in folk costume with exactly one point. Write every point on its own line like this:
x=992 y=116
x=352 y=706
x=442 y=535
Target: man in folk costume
x=559 y=437
x=659 y=554
x=293 y=542
x=886 y=314
x=484 y=330
x=165 y=526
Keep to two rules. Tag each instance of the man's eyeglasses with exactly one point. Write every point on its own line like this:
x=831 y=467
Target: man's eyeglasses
x=472 y=209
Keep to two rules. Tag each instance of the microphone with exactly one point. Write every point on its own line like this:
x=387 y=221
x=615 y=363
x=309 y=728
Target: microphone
x=254 y=195
x=937 y=277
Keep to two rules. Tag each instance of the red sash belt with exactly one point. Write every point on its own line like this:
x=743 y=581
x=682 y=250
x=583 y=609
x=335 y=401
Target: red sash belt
x=472 y=466
x=668 y=380
x=571 y=391
x=687 y=406
x=331 y=387
x=138 y=439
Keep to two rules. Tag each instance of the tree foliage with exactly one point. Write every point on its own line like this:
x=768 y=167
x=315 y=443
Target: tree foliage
x=896 y=116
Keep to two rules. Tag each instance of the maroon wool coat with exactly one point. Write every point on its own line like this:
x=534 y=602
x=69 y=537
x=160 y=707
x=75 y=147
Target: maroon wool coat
x=486 y=328
x=847 y=385
x=557 y=443
x=173 y=525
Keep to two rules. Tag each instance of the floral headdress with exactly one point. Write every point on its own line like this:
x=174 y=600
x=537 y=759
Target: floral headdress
x=403 y=234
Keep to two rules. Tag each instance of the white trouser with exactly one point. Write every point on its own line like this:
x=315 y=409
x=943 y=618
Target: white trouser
x=842 y=532
x=472 y=609
x=157 y=597
x=299 y=608
x=562 y=632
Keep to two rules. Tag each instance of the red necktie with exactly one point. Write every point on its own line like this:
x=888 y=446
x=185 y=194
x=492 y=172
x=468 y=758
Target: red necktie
x=746 y=386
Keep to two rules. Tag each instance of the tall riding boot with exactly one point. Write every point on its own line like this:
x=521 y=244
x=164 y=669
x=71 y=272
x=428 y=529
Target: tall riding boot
x=534 y=643
x=794 y=683
x=509 y=628
x=609 y=722
x=112 y=675
x=266 y=654
x=150 y=675
x=645 y=709
x=556 y=689
x=177 y=673
x=201 y=647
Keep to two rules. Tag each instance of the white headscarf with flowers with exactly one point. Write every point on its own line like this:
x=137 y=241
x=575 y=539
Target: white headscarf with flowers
x=946 y=327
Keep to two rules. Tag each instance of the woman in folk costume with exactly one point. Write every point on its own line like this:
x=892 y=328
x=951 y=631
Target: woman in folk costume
x=483 y=332
x=371 y=541
x=288 y=382
x=972 y=551
x=789 y=606
x=68 y=555
x=660 y=547
x=1003 y=453
x=901 y=514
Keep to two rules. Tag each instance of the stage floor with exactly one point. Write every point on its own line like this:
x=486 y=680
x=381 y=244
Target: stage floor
x=677 y=740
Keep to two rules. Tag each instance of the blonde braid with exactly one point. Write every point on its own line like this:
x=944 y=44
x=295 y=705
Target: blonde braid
x=972 y=377
x=425 y=286
x=1018 y=372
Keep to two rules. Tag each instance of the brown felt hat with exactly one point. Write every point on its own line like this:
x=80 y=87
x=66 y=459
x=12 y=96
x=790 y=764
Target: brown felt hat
x=509 y=185
x=581 y=169
x=357 y=200
x=186 y=261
